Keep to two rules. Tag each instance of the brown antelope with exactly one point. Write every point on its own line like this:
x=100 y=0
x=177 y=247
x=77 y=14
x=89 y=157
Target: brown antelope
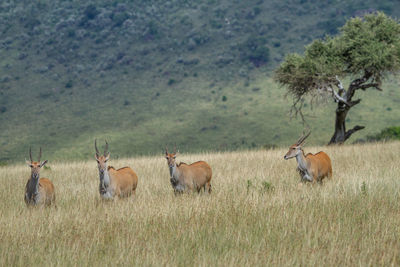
x=121 y=182
x=38 y=191
x=191 y=177
x=312 y=167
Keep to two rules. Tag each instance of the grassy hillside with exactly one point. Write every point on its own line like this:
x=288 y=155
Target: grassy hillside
x=148 y=73
x=256 y=215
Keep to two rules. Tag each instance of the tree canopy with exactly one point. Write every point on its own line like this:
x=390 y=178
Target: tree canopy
x=367 y=47
x=365 y=51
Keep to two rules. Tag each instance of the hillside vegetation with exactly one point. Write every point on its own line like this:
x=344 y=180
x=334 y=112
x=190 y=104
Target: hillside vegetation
x=257 y=214
x=146 y=73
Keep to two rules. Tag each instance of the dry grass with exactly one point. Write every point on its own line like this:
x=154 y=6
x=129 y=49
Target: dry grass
x=256 y=215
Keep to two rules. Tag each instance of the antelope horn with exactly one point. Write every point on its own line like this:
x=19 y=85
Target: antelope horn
x=166 y=150
x=30 y=153
x=105 y=149
x=40 y=154
x=304 y=137
x=95 y=146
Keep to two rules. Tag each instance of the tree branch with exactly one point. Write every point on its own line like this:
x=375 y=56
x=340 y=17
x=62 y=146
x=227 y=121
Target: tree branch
x=335 y=95
x=340 y=86
x=351 y=131
x=368 y=85
x=358 y=82
x=355 y=102
x=297 y=110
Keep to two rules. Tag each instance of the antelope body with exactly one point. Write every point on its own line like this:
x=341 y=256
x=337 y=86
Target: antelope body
x=121 y=182
x=312 y=167
x=184 y=177
x=38 y=191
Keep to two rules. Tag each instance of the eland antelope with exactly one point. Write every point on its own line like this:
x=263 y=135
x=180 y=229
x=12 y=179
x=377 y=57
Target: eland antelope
x=312 y=167
x=121 y=182
x=38 y=191
x=186 y=177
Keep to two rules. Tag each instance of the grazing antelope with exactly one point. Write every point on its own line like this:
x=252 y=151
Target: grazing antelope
x=38 y=191
x=312 y=167
x=191 y=177
x=121 y=182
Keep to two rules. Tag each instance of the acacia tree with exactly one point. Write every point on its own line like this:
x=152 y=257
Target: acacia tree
x=364 y=52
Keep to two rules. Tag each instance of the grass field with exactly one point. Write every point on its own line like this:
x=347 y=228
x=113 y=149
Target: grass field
x=257 y=214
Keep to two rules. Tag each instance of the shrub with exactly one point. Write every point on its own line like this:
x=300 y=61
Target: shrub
x=69 y=84
x=390 y=133
x=91 y=11
x=171 y=81
x=255 y=50
x=119 y=18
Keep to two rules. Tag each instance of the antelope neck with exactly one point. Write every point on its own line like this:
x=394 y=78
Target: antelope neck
x=33 y=186
x=301 y=161
x=173 y=171
x=105 y=178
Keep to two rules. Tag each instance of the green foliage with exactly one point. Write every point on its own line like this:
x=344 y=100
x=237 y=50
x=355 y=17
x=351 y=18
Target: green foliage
x=69 y=84
x=266 y=187
x=119 y=18
x=371 y=44
x=91 y=12
x=390 y=133
x=171 y=81
x=364 y=45
x=249 y=185
x=255 y=50
x=364 y=189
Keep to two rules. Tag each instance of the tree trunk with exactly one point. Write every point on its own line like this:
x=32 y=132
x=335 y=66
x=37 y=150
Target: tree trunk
x=341 y=135
x=340 y=125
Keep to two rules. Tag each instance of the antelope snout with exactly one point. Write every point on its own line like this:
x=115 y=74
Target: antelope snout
x=285 y=157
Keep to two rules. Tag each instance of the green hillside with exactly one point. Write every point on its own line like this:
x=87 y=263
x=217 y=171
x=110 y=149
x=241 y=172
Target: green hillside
x=148 y=73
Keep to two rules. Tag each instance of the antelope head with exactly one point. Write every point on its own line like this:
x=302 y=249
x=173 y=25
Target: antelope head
x=35 y=165
x=170 y=157
x=101 y=159
x=296 y=149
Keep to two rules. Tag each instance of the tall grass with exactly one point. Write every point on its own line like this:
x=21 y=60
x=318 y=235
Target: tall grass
x=257 y=214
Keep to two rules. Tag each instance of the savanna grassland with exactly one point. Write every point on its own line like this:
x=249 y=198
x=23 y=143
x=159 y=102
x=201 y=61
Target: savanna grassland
x=257 y=214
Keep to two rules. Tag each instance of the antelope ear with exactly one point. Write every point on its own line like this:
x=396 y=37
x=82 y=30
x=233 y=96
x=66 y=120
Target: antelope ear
x=29 y=163
x=108 y=156
x=43 y=163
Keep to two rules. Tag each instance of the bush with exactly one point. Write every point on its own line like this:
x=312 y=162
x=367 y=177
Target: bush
x=119 y=18
x=69 y=84
x=255 y=50
x=171 y=81
x=91 y=12
x=390 y=133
